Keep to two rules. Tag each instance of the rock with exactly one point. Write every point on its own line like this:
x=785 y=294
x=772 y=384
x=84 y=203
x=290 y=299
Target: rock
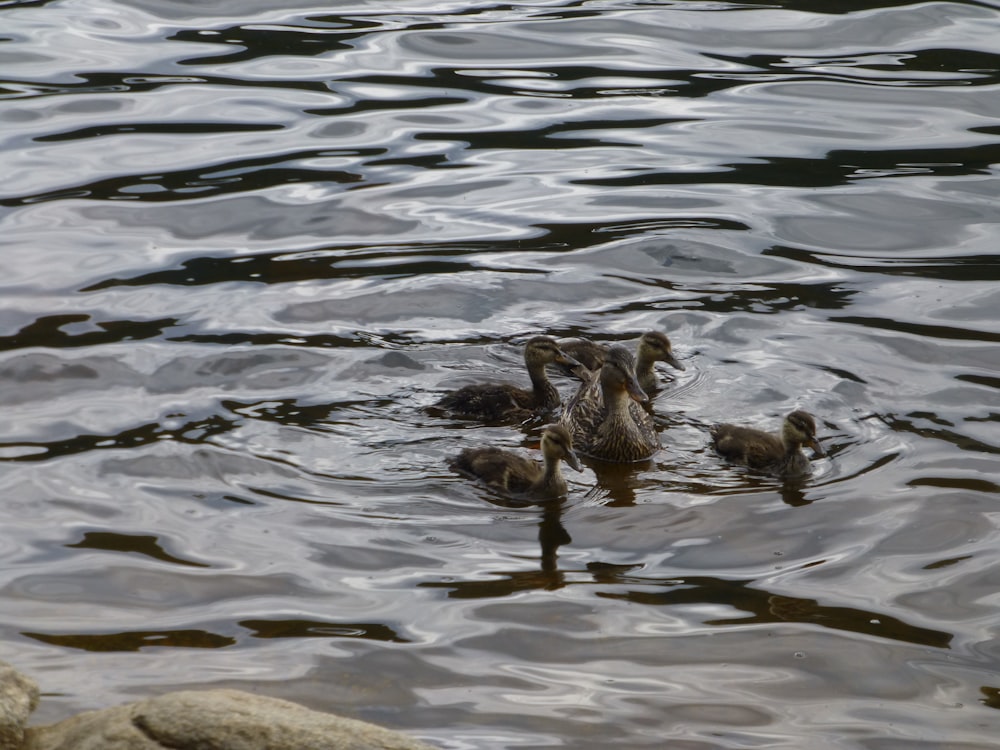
x=18 y=698
x=214 y=720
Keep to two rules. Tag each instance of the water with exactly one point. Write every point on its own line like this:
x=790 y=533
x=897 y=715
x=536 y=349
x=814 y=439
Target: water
x=245 y=245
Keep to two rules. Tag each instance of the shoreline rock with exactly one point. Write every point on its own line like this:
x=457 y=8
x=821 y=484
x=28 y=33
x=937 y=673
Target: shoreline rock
x=218 y=719
x=18 y=698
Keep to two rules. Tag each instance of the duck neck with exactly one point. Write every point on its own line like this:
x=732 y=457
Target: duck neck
x=789 y=443
x=552 y=478
x=545 y=393
x=793 y=459
x=616 y=401
x=643 y=366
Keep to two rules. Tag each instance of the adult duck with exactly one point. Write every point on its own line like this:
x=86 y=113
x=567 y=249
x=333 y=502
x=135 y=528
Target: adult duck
x=514 y=475
x=497 y=402
x=600 y=420
x=766 y=452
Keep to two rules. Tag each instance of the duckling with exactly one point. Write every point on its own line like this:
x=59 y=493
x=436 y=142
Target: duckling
x=512 y=474
x=599 y=417
x=495 y=402
x=588 y=353
x=653 y=347
x=766 y=452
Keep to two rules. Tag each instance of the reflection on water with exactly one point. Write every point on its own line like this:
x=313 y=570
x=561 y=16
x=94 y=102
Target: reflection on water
x=245 y=247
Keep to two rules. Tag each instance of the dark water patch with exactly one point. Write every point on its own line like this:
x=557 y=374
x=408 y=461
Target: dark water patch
x=219 y=179
x=915 y=67
x=278 y=268
x=946 y=563
x=381 y=105
x=984 y=380
x=991 y=696
x=912 y=423
x=835 y=169
x=194 y=432
x=172 y=128
x=921 y=330
x=323 y=340
x=24 y=3
x=505 y=584
x=588 y=135
x=948 y=268
x=956 y=483
x=135 y=640
x=294 y=628
x=142 y=544
x=139 y=82
x=79 y=330
x=322 y=35
x=768 y=607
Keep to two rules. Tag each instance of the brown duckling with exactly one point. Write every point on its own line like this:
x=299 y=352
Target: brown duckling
x=513 y=474
x=588 y=353
x=653 y=347
x=502 y=401
x=600 y=420
x=766 y=452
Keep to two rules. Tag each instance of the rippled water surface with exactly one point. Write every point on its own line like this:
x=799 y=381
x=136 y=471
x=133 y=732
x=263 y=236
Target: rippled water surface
x=246 y=244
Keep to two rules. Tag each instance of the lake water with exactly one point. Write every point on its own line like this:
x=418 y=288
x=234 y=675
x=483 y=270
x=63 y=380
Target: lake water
x=245 y=244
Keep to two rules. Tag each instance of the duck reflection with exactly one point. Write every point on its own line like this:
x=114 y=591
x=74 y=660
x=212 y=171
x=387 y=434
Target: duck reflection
x=551 y=536
x=617 y=483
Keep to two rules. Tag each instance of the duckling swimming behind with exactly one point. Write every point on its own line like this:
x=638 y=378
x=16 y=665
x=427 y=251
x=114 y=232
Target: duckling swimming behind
x=653 y=347
x=766 y=452
x=513 y=474
x=496 y=402
x=599 y=417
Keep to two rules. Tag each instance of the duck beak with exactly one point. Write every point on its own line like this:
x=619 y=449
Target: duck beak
x=635 y=390
x=572 y=460
x=816 y=447
x=675 y=363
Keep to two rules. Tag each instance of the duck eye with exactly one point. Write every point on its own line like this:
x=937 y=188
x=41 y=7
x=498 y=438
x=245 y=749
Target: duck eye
x=801 y=426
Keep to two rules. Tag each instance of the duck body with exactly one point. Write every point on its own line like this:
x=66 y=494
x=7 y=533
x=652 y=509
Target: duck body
x=599 y=416
x=653 y=347
x=515 y=475
x=496 y=402
x=766 y=452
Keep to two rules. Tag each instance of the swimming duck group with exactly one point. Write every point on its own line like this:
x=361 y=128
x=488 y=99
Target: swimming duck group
x=607 y=418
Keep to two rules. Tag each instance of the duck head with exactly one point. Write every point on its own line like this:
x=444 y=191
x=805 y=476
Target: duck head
x=655 y=346
x=799 y=428
x=557 y=444
x=543 y=350
x=618 y=373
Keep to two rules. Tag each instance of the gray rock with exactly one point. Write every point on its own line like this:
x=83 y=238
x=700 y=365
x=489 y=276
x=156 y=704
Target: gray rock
x=214 y=720
x=18 y=698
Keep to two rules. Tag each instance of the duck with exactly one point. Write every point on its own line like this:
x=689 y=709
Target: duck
x=495 y=402
x=600 y=420
x=766 y=452
x=653 y=347
x=514 y=475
